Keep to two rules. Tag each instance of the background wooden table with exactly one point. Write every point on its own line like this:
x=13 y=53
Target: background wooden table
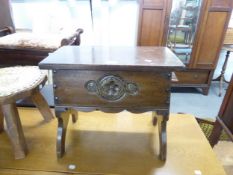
x=103 y=143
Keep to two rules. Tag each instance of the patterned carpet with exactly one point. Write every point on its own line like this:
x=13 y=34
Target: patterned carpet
x=223 y=149
x=207 y=127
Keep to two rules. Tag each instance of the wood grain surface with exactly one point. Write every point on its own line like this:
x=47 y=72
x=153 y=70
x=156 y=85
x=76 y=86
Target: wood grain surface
x=112 y=58
x=101 y=143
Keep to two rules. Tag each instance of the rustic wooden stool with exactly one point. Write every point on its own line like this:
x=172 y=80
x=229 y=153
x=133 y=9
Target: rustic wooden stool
x=18 y=83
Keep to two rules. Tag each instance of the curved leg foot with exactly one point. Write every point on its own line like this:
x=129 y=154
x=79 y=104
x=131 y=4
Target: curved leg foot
x=205 y=90
x=154 y=118
x=63 y=119
x=74 y=115
x=162 y=139
x=162 y=119
x=15 y=130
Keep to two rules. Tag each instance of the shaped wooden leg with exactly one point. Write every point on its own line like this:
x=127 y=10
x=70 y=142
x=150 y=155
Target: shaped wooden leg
x=215 y=134
x=154 y=118
x=205 y=90
x=162 y=119
x=74 y=115
x=63 y=119
x=1 y=120
x=42 y=105
x=15 y=130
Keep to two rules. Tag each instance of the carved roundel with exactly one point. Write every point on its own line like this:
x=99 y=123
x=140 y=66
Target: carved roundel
x=91 y=86
x=111 y=88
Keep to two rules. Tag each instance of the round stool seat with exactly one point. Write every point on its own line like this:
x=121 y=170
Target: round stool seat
x=18 y=83
x=14 y=80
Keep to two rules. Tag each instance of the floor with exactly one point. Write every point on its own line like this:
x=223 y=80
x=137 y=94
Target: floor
x=191 y=101
x=101 y=143
x=224 y=152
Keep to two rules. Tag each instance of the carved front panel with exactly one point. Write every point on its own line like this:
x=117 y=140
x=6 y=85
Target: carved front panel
x=112 y=89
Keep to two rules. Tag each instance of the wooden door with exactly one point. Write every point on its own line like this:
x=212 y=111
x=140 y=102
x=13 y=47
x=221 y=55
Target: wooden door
x=213 y=22
x=153 y=22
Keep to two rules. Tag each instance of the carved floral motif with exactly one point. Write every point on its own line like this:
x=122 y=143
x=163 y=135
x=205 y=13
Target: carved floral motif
x=111 y=88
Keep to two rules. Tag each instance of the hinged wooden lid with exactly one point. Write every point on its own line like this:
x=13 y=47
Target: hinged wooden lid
x=112 y=58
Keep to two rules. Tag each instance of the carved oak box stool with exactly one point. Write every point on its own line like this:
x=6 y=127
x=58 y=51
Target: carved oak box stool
x=18 y=83
x=112 y=79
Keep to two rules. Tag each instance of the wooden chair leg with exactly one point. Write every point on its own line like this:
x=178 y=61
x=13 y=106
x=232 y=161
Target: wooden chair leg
x=215 y=134
x=1 y=120
x=42 y=105
x=14 y=130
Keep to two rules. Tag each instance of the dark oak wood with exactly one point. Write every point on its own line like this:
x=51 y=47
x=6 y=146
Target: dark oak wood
x=154 y=118
x=224 y=119
x=152 y=91
x=63 y=119
x=11 y=56
x=111 y=79
x=74 y=115
x=162 y=125
x=160 y=118
x=63 y=116
x=141 y=58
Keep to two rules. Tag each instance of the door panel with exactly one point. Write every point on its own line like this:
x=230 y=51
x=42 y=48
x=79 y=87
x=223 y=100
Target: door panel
x=151 y=31
x=153 y=22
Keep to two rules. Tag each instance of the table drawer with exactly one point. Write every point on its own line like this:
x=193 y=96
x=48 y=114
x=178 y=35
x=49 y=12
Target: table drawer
x=111 y=89
x=192 y=77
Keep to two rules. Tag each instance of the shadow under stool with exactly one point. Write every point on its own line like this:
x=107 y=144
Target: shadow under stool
x=17 y=83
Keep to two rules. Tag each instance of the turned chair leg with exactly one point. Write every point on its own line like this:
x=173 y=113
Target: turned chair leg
x=215 y=134
x=1 y=120
x=42 y=105
x=15 y=130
